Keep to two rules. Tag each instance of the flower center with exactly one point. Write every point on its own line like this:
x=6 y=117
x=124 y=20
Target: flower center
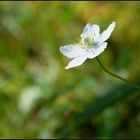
x=88 y=42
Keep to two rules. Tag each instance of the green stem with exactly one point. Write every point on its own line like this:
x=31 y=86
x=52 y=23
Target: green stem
x=116 y=76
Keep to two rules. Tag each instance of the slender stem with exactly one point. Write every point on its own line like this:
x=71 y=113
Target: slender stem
x=116 y=76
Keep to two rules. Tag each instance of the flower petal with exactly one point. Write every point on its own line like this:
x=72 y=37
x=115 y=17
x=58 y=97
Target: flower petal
x=91 y=31
x=76 y=61
x=106 y=34
x=95 y=51
x=71 y=51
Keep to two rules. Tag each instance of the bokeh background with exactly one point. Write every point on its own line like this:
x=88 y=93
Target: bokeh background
x=40 y=99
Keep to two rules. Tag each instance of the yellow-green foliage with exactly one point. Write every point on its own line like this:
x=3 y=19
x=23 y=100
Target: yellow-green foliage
x=38 y=97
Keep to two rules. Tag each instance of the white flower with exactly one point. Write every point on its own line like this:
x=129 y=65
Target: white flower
x=92 y=44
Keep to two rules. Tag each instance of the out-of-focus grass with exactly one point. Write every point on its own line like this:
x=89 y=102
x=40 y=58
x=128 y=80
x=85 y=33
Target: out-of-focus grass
x=38 y=97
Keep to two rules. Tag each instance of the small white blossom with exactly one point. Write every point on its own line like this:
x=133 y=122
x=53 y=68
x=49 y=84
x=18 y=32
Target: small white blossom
x=92 y=44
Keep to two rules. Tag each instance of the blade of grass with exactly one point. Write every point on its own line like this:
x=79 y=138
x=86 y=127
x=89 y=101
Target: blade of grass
x=110 y=98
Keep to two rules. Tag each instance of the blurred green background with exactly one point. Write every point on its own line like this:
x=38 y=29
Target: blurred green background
x=40 y=99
